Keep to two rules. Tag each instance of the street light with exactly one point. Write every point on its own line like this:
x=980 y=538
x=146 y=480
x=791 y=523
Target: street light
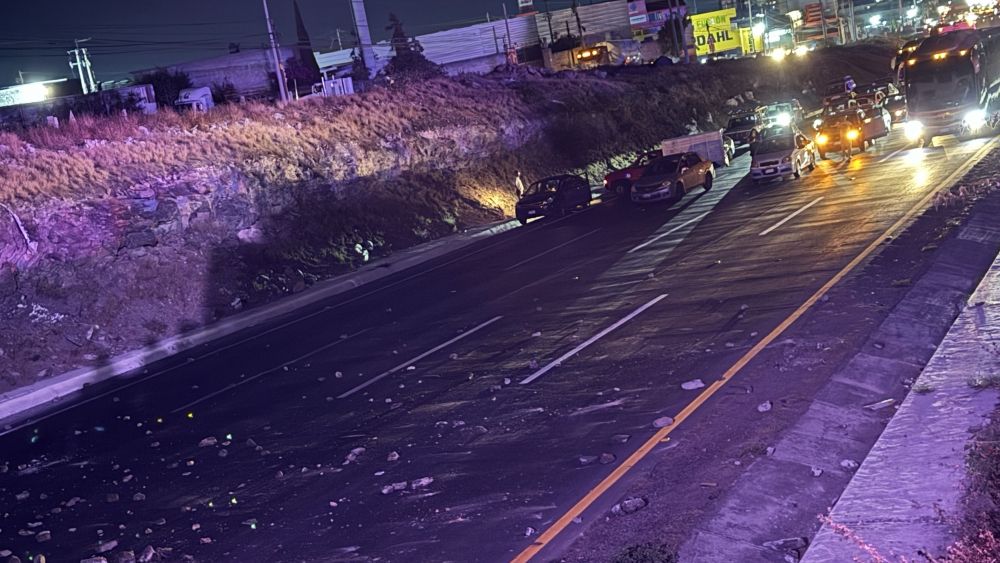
x=875 y=20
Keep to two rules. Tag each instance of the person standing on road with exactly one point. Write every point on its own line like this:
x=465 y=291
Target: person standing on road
x=519 y=185
x=846 y=129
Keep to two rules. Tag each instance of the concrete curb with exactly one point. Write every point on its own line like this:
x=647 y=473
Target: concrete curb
x=907 y=492
x=19 y=400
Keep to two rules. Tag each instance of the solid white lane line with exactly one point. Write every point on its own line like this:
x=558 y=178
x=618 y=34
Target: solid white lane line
x=263 y=373
x=553 y=249
x=591 y=340
x=671 y=231
x=792 y=216
x=412 y=361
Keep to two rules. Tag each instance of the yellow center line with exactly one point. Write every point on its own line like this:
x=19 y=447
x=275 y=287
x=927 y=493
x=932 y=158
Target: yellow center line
x=595 y=493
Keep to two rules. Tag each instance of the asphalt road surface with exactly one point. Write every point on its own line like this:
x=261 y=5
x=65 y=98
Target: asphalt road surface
x=483 y=387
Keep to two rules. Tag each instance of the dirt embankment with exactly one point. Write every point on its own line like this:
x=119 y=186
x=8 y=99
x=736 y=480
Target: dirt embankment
x=116 y=233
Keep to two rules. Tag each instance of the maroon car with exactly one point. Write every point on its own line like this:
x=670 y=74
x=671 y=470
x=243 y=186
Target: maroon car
x=621 y=181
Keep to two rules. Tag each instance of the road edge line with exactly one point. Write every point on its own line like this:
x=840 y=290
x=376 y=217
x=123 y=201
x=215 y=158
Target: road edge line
x=662 y=434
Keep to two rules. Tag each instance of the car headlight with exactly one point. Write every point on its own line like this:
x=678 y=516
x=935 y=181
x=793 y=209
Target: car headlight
x=975 y=119
x=817 y=123
x=786 y=160
x=852 y=134
x=628 y=175
x=899 y=113
x=913 y=130
x=822 y=139
x=605 y=181
x=783 y=119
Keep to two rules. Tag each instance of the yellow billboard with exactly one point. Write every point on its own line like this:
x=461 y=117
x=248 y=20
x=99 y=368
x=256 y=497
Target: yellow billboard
x=750 y=48
x=714 y=32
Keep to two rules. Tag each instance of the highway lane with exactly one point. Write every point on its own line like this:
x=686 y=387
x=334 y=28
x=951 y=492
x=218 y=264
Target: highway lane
x=504 y=456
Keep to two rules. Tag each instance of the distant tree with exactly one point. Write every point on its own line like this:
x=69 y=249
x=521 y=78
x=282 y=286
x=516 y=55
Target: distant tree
x=301 y=73
x=408 y=60
x=225 y=93
x=167 y=85
x=565 y=43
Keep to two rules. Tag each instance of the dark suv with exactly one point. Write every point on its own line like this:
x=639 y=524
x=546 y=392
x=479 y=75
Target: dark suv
x=743 y=128
x=553 y=196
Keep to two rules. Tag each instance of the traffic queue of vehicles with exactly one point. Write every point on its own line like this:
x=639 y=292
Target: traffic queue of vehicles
x=948 y=78
x=778 y=148
x=947 y=83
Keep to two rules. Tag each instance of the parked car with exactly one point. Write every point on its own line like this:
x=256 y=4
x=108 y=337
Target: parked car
x=775 y=131
x=783 y=113
x=840 y=86
x=896 y=106
x=553 y=196
x=904 y=53
x=743 y=128
x=670 y=177
x=620 y=181
x=782 y=156
x=868 y=130
x=894 y=101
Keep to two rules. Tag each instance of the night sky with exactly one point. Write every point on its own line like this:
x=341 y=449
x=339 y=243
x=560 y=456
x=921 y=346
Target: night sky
x=135 y=34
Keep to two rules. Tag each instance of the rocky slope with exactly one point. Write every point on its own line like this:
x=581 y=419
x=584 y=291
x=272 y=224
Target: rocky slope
x=115 y=233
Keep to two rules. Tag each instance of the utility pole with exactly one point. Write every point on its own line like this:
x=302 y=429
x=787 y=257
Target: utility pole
x=579 y=24
x=279 y=72
x=854 y=23
x=87 y=84
x=548 y=18
x=340 y=42
x=682 y=30
x=506 y=24
x=90 y=70
x=822 y=18
x=673 y=28
x=20 y=77
x=364 y=35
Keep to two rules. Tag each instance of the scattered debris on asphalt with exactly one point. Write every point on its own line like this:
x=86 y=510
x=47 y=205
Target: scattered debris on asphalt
x=662 y=422
x=629 y=506
x=692 y=385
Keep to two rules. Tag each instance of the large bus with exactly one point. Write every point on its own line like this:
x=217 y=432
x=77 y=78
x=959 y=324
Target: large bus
x=952 y=84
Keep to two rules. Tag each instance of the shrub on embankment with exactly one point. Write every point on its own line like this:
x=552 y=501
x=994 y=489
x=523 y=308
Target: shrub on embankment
x=117 y=232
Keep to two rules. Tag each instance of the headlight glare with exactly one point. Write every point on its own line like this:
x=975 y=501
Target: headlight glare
x=975 y=119
x=913 y=130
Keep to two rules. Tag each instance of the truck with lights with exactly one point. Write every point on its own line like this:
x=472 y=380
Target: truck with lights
x=952 y=83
